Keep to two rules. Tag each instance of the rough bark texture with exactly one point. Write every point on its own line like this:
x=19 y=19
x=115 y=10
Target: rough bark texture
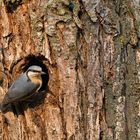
x=91 y=51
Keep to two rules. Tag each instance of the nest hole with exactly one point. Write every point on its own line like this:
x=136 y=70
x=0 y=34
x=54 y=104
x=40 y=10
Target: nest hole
x=11 y=6
x=38 y=60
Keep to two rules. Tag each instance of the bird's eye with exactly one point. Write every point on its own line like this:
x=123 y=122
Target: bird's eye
x=34 y=71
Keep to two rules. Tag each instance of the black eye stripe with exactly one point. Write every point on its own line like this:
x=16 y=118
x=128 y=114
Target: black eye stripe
x=35 y=71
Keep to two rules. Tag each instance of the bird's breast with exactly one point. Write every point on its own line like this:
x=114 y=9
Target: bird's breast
x=37 y=81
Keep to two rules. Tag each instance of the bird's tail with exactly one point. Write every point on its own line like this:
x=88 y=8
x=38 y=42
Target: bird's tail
x=3 y=107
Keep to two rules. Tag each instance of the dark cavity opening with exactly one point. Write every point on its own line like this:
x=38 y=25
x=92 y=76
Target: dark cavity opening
x=38 y=60
x=12 y=5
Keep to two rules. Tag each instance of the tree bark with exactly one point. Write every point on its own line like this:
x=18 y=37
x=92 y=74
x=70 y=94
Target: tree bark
x=90 y=50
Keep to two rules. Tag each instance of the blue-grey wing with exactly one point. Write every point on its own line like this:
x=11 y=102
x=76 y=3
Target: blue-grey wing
x=20 y=89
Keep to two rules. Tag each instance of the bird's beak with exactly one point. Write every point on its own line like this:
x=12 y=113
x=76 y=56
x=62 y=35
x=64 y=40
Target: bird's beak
x=43 y=72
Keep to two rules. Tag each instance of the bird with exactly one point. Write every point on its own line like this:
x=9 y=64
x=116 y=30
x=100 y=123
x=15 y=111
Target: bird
x=26 y=84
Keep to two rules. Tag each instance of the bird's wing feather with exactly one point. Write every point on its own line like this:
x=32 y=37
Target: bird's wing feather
x=21 y=89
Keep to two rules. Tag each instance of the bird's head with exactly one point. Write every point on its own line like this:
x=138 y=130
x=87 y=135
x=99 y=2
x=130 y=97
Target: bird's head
x=35 y=71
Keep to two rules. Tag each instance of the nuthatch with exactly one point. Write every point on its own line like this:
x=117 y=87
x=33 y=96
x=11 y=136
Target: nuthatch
x=27 y=84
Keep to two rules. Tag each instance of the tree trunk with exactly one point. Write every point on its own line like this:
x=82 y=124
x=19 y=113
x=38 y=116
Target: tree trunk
x=90 y=50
